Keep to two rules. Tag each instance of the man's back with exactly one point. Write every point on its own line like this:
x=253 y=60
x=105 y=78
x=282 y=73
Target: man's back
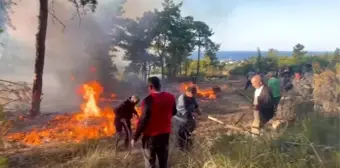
x=125 y=110
x=274 y=85
x=186 y=105
x=161 y=106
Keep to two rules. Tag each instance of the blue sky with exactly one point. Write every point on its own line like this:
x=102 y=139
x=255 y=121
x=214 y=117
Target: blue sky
x=280 y=24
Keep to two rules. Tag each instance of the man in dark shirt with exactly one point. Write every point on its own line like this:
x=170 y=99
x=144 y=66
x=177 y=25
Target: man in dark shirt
x=155 y=124
x=250 y=75
x=264 y=106
x=184 y=121
x=124 y=113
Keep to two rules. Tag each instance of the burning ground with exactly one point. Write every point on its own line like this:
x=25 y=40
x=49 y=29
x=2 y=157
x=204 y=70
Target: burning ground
x=92 y=122
x=95 y=122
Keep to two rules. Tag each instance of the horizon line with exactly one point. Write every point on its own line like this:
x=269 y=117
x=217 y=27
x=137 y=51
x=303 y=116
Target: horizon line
x=267 y=51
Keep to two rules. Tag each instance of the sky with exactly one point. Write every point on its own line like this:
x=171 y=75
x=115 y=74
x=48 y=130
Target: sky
x=279 y=24
x=248 y=24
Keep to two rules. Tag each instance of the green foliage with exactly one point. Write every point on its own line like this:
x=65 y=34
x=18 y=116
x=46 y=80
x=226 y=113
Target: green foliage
x=209 y=68
x=210 y=51
x=296 y=61
x=242 y=68
x=169 y=35
x=3 y=162
x=273 y=52
x=298 y=52
x=258 y=63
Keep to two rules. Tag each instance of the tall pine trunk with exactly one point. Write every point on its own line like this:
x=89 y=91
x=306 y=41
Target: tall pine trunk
x=161 y=56
x=198 y=57
x=162 y=66
x=144 y=71
x=180 y=68
x=149 y=70
x=40 y=57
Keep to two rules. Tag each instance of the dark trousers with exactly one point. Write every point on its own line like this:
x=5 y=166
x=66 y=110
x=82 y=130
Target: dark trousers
x=184 y=131
x=247 y=84
x=156 y=147
x=277 y=100
x=119 y=129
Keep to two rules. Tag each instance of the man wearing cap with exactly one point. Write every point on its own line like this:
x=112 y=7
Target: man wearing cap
x=123 y=115
x=275 y=87
x=184 y=120
x=250 y=75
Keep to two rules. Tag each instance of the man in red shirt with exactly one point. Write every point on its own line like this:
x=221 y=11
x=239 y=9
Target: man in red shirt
x=155 y=124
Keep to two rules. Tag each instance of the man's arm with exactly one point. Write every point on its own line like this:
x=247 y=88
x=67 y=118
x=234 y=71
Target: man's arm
x=144 y=119
x=197 y=110
x=174 y=109
x=265 y=99
x=135 y=112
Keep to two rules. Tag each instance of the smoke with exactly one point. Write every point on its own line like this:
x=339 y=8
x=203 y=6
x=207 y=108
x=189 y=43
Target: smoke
x=70 y=51
x=135 y=8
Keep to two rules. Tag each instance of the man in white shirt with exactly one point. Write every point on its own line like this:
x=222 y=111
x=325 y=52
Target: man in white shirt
x=263 y=105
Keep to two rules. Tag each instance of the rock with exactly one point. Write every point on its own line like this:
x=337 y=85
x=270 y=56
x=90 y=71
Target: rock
x=276 y=124
x=216 y=89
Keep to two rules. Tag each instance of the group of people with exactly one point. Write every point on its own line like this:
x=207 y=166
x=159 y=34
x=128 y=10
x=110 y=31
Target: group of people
x=160 y=115
x=267 y=95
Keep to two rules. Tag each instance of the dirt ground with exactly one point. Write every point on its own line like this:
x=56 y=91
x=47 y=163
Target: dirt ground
x=230 y=107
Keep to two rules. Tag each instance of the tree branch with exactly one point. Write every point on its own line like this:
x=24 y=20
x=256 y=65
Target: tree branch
x=51 y=12
x=77 y=8
x=55 y=17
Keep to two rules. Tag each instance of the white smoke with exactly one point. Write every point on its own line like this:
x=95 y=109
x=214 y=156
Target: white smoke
x=66 y=49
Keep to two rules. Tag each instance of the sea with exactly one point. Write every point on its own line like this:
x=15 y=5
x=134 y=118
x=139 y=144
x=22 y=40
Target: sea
x=241 y=55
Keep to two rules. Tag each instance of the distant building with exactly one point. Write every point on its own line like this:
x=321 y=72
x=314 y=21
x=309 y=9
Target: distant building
x=228 y=61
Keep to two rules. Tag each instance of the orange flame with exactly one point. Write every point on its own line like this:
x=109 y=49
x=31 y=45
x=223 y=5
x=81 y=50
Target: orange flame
x=91 y=94
x=206 y=93
x=91 y=123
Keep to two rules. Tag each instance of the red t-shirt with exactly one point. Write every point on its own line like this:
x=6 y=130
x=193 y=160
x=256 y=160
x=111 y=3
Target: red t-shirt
x=158 y=109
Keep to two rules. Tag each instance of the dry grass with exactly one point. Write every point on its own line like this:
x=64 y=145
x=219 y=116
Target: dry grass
x=313 y=142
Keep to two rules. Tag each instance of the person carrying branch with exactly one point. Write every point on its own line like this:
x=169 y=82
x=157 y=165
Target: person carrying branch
x=184 y=120
x=155 y=124
x=124 y=113
x=264 y=106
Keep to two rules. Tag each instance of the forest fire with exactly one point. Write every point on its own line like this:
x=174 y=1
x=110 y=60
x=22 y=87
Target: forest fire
x=205 y=93
x=92 y=122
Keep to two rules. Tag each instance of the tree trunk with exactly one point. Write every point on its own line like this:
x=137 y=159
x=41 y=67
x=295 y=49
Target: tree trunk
x=162 y=66
x=149 y=70
x=175 y=68
x=40 y=57
x=144 y=71
x=198 y=57
x=180 y=68
x=161 y=55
